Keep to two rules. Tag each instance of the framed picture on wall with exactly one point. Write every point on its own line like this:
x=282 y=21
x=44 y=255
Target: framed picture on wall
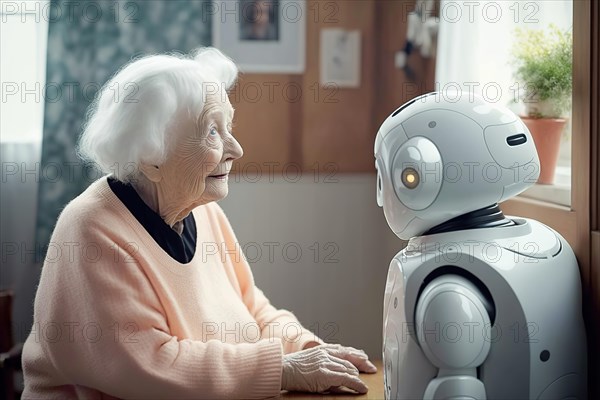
x=261 y=36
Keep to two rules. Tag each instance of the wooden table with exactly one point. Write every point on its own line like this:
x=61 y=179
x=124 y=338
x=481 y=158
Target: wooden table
x=373 y=381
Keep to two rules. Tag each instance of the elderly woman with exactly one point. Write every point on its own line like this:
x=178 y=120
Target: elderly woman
x=131 y=304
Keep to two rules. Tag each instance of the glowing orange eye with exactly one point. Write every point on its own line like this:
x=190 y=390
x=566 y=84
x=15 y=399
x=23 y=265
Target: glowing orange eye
x=410 y=178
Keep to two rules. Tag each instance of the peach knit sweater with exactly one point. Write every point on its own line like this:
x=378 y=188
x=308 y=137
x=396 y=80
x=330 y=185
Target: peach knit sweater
x=117 y=317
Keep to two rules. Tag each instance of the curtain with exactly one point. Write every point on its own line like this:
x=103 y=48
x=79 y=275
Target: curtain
x=87 y=43
x=18 y=267
x=474 y=43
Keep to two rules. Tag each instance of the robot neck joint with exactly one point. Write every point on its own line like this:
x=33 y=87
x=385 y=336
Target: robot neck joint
x=486 y=217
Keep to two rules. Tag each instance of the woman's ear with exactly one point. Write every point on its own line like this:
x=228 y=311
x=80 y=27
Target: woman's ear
x=152 y=172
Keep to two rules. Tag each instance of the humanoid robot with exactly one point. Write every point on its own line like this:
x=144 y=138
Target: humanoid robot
x=478 y=305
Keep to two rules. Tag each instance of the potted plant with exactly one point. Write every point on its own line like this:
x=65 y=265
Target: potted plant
x=543 y=62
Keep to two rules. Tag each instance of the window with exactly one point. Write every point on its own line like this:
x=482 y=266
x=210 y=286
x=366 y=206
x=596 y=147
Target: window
x=474 y=54
x=23 y=41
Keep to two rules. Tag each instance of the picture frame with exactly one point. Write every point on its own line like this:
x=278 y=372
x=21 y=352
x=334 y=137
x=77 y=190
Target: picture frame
x=261 y=36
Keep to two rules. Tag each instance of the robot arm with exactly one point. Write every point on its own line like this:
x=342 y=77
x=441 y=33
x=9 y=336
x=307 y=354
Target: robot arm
x=452 y=320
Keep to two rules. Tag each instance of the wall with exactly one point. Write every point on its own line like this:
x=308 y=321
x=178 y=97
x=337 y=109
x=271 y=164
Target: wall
x=331 y=248
x=289 y=121
x=397 y=86
x=294 y=120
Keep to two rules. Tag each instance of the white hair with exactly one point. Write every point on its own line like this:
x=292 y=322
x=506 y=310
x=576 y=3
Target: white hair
x=128 y=122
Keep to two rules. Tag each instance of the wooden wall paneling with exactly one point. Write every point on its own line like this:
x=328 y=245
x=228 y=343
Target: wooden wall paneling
x=262 y=122
x=285 y=119
x=296 y=125
x=581 y=166
x=581 y=114
x=594 y=319
x=394 y=86
x=595 y=118
x=337 y=130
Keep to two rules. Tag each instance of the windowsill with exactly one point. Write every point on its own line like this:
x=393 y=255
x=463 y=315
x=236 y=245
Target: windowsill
x=557 y=193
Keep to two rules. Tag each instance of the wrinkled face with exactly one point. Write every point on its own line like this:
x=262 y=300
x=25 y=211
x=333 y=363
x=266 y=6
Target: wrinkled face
x=200 y=159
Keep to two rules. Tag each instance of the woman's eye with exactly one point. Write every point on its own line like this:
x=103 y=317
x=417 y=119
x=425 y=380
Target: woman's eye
x=213 y=131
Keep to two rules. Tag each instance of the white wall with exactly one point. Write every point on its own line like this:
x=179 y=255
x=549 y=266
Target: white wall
x=342 y=301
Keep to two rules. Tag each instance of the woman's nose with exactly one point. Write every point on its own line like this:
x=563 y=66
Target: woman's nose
x=232 y=149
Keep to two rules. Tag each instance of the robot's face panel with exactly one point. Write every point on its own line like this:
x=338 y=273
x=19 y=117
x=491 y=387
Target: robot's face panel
x=416 y=173
x=510 y=145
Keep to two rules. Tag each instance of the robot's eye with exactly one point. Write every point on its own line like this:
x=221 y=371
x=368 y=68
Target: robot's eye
x=410 y=178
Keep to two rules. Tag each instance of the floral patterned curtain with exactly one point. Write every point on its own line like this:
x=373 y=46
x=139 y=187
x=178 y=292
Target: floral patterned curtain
x=87 y=43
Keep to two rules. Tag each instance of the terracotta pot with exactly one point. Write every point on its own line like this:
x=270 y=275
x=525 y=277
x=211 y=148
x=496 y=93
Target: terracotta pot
x=546 y=133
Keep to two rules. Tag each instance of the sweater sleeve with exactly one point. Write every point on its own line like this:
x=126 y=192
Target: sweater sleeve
x=113 y=335
x=275 y=323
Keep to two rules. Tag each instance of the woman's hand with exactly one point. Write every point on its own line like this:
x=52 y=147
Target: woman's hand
x=325 y=367
x=357 y=357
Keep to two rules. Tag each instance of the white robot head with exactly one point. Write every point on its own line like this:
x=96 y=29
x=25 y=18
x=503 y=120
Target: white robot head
x=442 y=155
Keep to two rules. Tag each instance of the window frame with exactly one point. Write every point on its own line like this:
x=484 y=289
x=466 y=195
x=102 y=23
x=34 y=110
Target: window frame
x=580 y=223
x=572 y=222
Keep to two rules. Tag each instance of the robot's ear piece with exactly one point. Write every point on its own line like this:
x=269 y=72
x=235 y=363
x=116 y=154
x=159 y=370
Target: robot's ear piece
x=417 y=173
